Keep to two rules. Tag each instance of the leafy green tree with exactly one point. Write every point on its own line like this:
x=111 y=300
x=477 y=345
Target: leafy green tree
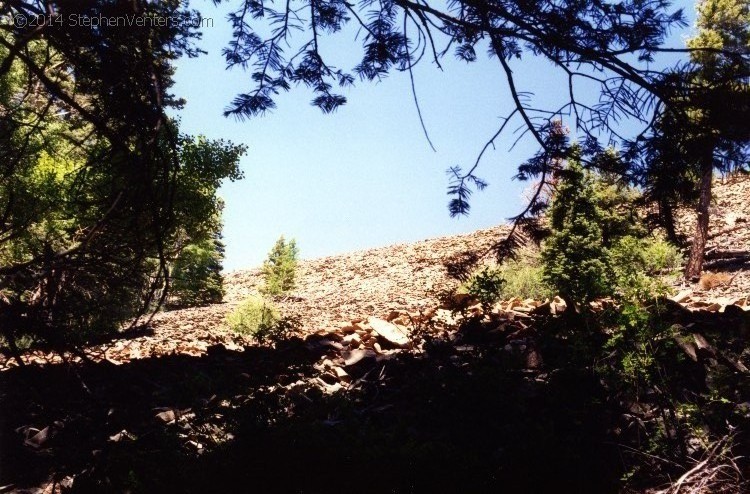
x=92 y=211
x=280 y=268
x=86 y=234
x=196 y=274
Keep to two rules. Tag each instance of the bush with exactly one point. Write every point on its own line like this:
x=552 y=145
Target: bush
x=640 y=266
x=661 y=257
x=524 y=278
x=280 y=268
x=255 y=317
x=521 y=278
x=486 y=286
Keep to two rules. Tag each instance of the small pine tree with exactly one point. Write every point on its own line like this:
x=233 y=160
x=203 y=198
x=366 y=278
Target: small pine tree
x=574 y=256
x=280 y=268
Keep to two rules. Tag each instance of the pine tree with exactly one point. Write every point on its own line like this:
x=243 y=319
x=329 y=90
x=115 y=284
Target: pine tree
x=719 y=112
x=280 y=268
x=196 y=274
x=574 y=256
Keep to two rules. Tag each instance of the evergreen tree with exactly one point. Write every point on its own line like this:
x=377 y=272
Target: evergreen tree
x=707 y=126
x=574 y=255
x=196 y=274
x=719 y=112
x=280 y=268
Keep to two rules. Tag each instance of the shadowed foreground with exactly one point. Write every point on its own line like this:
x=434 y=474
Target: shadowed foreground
x=456 y=419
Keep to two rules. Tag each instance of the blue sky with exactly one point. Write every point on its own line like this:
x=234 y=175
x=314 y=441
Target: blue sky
x=364 y=176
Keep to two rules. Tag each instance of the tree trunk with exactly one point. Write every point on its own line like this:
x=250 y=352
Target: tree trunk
x=698 y=248
x=666 y=212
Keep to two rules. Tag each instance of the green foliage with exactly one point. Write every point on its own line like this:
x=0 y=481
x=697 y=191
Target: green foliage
x=574 y=256
x=661 y=257
x=641 y=267
x=636 y=349
x=703 y=128
x=196 y=275
x=722 y=24
x=255 y=317
x=598 y=246
x=22 y=343
x=615 y=202
x=100 y=191
x=486 y=286
x=280 y=268
x=87 y=249
x=524 y=278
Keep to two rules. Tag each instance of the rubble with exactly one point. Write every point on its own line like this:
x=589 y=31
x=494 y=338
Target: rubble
x=397 y=336
x=363 y=306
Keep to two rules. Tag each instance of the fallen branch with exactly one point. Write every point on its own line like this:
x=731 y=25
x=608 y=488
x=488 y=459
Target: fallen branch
x=722 y=232
x=717 y=472
x=727 y=254
x=723 y=263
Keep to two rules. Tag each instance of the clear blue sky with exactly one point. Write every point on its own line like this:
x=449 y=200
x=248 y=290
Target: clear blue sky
x=364 y=176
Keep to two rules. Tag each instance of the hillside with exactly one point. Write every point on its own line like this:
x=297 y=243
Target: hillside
x=380 y=386
x=333 y=291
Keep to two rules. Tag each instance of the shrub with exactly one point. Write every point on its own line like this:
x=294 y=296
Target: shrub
x=486 y=286
x=524 y=278
x=22 y=343
x=255 y=317
x=639 y=266
x=661 y=257
x=280 y=268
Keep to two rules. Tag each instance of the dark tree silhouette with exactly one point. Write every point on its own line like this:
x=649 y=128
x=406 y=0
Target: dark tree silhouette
x=609 y=45
x=93 y=192
x=706 y=127
x=721 y=105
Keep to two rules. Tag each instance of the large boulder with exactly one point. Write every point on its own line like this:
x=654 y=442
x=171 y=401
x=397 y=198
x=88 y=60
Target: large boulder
x=395 y=335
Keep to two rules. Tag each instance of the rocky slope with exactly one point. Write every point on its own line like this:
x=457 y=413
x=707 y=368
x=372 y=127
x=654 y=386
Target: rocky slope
x=187 y=380
x=409 y=278
x=729 y=234
x=336 y=289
